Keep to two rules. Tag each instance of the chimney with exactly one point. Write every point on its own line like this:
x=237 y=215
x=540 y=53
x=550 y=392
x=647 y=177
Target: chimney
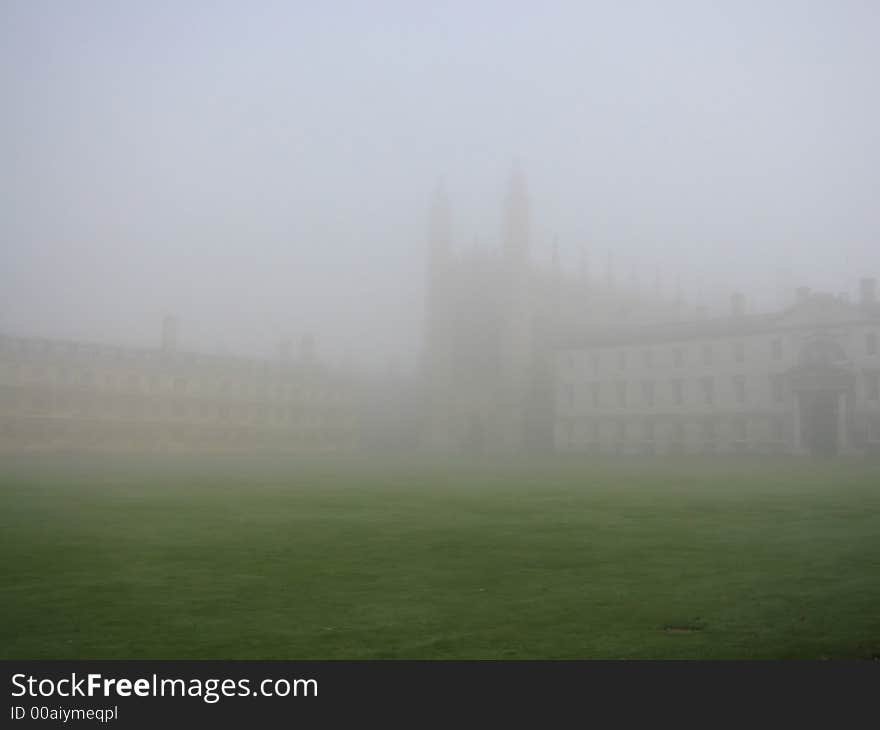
x=169 y=334
x=737 y=304
x=284 y=351
x=802 y=293
x=307 y=349
x=868 y=292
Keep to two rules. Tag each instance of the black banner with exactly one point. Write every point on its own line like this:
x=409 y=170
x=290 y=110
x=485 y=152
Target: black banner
x=204 y=693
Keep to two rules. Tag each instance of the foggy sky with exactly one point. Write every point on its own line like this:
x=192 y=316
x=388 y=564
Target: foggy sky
x=263 y=169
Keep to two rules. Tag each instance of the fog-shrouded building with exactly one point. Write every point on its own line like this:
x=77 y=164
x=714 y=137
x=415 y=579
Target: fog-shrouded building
x=490 y=324
x=60 y=396
x=805 y=379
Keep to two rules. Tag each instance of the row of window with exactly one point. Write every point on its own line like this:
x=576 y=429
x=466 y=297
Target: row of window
x=135 y=382
x=624 y=394
x=739 y=429
x=12 y=346
x=60 y=433
x=61 y=405
x=704 y=390
x=680 y=356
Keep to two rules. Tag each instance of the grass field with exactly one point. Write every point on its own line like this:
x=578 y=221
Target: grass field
x=690 y=560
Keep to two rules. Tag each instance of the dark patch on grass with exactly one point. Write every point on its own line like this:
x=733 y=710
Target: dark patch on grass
x=682 y=628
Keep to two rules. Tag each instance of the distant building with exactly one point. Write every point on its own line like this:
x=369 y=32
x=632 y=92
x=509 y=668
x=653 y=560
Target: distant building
x=491 y=318
x=802 y=380
x=74 y=396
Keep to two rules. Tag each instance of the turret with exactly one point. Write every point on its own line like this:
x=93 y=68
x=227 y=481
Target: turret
x=437 y=336
x=439 y=229
x=516 y=341
x=439 y=244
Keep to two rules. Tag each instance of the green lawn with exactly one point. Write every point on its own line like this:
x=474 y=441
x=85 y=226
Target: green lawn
x=770 y=559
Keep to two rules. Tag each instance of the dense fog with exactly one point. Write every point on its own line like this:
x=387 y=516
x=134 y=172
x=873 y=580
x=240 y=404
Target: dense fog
x=264 y=170
x=615 y=227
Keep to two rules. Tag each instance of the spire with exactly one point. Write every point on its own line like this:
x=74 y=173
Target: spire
x=436 y=363
x=516 y=216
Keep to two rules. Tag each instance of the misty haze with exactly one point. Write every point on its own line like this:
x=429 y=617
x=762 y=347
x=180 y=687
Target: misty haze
x=495 y=330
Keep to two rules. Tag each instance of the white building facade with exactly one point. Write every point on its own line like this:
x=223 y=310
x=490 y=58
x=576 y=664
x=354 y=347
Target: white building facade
x=802 y=380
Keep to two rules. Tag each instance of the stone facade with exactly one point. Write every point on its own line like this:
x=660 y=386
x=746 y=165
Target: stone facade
x=492 y=315
x=72 y=396
x=802 y=380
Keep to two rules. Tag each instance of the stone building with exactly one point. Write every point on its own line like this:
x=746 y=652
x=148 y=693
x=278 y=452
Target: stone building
x=802 y=380
x=71 y=396
x=490 y=324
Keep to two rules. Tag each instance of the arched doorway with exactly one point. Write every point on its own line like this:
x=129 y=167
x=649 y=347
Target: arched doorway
x=820 y=422
x=820 y=383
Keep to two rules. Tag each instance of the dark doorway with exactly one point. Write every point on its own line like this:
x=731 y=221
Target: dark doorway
x=819 y=422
